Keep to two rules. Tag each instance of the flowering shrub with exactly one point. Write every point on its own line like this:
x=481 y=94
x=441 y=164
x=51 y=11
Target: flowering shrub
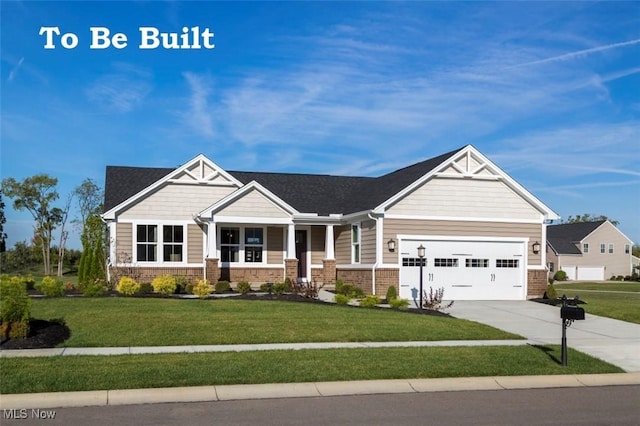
x=164 y=284
x=202 y=289
x=51 y=287
x=128 y=286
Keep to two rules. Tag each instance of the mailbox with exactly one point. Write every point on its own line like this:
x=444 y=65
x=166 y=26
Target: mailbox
x=571 y=313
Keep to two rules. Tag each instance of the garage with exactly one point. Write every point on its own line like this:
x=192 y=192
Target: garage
x=467 y=268
x=584 y=273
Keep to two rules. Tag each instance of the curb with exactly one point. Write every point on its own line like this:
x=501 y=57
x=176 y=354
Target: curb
x=301 y=390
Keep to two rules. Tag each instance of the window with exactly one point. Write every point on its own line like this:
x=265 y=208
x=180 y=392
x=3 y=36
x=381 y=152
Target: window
x=477 y=263
x=507 y=263
x=627 y=248
x=147 y=242
x=552 y=267
x=229 y=244
x=253 y=243
x=610 y=248
x=172 y=240
x=585 y=248
x=413 y=261
x=602 y=247
x=355 y=243
x=445 y=263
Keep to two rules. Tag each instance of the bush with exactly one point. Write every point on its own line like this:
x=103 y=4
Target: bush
x=391 y=293
x=551 y=280
x=95 y=288
x=341 y=299
x=560 y=275
x=266 y=287
x=51 y=287
x=181 y=284
x=164 y=284
x=222 y=286
x=145 y=288
x=280 y=288
x=287 y=284
x=397 y=303
x=128 y=286
x=433 y=300
x=243 y=287
x=370 y=301
x=188 y=289
x=338 y=286
x=551 y=292
x=15 y=308
x=202 y=289
x=352 y=291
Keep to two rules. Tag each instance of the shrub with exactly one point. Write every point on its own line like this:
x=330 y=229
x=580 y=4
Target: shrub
x=51 y=287
x=306 y=289
x=94 y=288
x=341 y=299
x=202 y=289
x=222 y=286
x=181 y=284
x=560 y=275
x=280 y=288
x=551 y=292
x=391 y=293
x=145 y=288
x=370 y=301
x=352 y=291
x=287 y=284
x=188 y=289
x=266 y=287
x=28 y=280
x=551 y=280
x=398 y=303
x=15 y=308
x=433 y=300
x=338 y=286
x=164 y=284
x=128 y=286
x=243 y=287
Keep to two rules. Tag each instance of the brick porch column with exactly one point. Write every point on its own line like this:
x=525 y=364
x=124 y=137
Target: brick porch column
x=329 y=271
x=291 y=269
x=212 y=270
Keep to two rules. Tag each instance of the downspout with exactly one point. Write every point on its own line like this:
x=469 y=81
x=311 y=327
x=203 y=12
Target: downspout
x=375 y=265
x=197 y=220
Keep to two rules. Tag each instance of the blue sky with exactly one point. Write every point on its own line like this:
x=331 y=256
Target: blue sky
x=549 y=91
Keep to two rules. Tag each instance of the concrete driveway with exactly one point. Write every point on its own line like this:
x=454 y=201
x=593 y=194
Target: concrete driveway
x=616 y=342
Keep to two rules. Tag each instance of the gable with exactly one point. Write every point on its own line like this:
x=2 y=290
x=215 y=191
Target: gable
x=252 y=204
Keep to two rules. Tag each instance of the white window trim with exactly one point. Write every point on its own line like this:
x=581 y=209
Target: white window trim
x=610 y=248
x=603 y=248
x=358 y=225
x=585 y=248
x=160 y=243
x=241 y=249
x=627 y=249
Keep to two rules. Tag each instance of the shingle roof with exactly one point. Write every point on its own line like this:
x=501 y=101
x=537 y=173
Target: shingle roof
x=307 y=193
x=563 y=238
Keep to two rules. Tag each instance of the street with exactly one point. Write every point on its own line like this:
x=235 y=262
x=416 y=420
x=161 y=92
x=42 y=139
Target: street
x=619 y=405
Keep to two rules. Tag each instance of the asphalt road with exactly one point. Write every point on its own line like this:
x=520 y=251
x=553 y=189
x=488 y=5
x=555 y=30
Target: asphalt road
x=612 y=405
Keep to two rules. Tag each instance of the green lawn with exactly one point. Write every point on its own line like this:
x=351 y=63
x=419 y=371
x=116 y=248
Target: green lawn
x=613 y=300
x=77 y=373
x=121 y=321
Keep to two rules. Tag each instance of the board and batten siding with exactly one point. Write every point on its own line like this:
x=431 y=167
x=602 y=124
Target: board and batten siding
x=124 y=242
x=275 y=245
x=176 y=202
x=195 y=235
x=456 y=228
x=253 y=204
x=465 y=198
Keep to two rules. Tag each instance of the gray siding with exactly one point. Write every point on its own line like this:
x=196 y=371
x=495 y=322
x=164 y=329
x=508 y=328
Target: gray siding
x=275 y=245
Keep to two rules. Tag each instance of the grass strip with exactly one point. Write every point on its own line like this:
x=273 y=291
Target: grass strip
x=121 y=321
x=80 y=373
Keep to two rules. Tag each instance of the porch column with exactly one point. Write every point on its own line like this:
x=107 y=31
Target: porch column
x=213 y=240
x=329 y=249
x=291 y=241
x=212 y=268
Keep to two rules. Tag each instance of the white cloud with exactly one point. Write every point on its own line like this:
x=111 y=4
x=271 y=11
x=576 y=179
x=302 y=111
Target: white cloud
x=199 y=116
x=121 y=91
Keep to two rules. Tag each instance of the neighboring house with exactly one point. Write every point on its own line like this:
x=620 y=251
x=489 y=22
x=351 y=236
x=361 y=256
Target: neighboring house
x=482 y=231
x=589 y=250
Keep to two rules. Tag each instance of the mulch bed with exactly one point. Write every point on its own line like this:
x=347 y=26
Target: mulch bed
x=42 y=334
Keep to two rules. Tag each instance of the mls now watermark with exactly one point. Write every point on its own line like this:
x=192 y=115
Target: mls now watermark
x=33 y=413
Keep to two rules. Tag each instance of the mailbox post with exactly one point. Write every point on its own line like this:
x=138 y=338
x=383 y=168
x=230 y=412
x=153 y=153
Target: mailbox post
x=569 y=312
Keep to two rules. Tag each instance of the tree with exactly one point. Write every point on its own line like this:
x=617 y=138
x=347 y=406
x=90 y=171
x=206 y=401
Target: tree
x=63 y=234
x=3 y=220
x=36 y=194
x=635 y=250
x=589 y=218
x=91 y=265
x=89 y=197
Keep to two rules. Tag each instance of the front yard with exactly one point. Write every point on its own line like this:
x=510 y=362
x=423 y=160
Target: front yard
x=617 y=300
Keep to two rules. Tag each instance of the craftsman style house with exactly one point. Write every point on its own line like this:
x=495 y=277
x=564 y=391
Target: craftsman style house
x=589 y=250
x=483 y=233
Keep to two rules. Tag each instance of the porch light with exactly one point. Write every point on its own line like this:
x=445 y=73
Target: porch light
x=536 y=247
x=421 y=251
x=391 y=244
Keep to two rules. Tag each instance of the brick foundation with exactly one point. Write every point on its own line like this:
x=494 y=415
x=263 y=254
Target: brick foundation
x=358 y=277
x=536 y=283
x=252 y=275
x=212 y=270
x=146 y=275
x=386 y=278
x=328 y=271
x=291 y=269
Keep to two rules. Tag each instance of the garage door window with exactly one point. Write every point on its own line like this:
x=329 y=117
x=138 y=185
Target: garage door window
x=476 y=263
x=445 y=263
x=507 y=263
x=413 y=261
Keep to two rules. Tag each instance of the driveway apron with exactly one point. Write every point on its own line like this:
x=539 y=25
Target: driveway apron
x=614 y=341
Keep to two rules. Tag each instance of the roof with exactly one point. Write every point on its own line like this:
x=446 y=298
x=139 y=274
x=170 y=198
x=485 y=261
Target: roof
x=564 y=237
x=307 y=193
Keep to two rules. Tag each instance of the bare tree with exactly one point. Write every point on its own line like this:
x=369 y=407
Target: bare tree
x=64 y=234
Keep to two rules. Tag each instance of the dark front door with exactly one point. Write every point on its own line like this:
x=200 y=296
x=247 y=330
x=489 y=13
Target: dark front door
x=301 y=253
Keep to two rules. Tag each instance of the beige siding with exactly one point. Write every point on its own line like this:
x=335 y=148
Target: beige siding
x=124 y=242
x=616 y=264
x=176 y=202
x=195 y=236
x=317 y=244
x=395 y=227
x=368 y=240
x=465 y=198
x=275 y=245
x=253 y=204
x=342 y=235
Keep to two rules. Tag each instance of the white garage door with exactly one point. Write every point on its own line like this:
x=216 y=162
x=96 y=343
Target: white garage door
x=590 y=273
x=466 y=269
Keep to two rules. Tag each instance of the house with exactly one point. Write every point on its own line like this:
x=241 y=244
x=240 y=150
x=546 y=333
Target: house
x=589 y=250
x=481 y=230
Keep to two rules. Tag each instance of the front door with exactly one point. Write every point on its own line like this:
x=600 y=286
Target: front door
x=301 y=253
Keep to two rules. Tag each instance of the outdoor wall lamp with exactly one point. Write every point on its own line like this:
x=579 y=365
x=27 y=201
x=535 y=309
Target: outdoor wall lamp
x=391 y=244
x=536 y=247
x=421 y=253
